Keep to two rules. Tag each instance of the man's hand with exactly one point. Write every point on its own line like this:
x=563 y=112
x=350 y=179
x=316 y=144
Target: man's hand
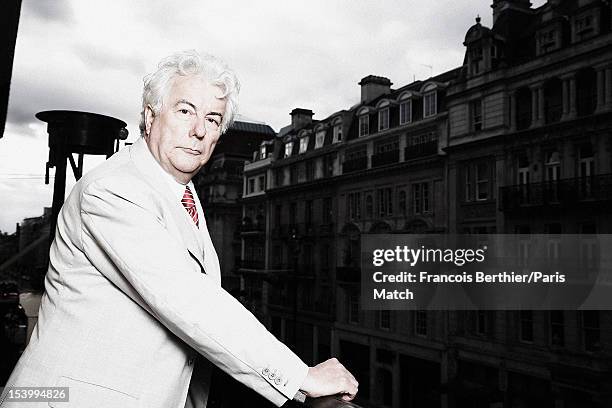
x=330 y=378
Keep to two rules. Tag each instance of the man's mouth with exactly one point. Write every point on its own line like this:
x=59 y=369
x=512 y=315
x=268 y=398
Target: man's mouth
x=191 y=151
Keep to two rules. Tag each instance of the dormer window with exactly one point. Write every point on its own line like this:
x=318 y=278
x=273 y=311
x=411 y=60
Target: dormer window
x=303 y=144
x=405 y=110
x=430 y=104
x=319 y=139
x=337 y=137
x=288 y=149
x=262 y=152
x=585 y=25
x=548 y=40
x=383 y=119
x=364 y=125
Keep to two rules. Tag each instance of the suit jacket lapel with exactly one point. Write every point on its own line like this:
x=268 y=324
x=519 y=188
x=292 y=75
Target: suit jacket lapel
x=147 y=165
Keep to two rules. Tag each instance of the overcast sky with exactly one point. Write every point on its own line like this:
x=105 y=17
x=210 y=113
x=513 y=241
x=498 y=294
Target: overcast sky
x=91 y=55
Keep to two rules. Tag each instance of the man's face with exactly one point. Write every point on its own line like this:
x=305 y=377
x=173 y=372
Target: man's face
x=184 y=133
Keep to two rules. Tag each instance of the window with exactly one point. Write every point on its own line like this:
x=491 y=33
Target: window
x=353 y=308
x=476 y=115
x=293 y=175
x=304 y=144
x=590 y=330
x=388 y=145
x=384 y=319
x=279 y=174
x=308 y=212
x=526 y=325
x=385 y=202
x=327 y=210
x=585 y=26
x=251 y=186
x=557 y=328
x=383 y=119
x=369 y=206
x=354 y=205
x=420 y=323
x=310 y=170
x=261 y=183
x=262 y=152
x=328 y=165
x=288 y=149
x=405 y=112
x=364 y=125
x=320 y=138
x=278 y=208
x=430 y=101
x=482 y=181
x=420 y=198
x=337 y=133
x=402 y=202
x=547 y=40
x=292 y=213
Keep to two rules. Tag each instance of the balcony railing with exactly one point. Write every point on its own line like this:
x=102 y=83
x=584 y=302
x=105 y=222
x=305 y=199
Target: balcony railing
x=383 y=158
x=360 y=163
x=563 y=193
x=420 y=150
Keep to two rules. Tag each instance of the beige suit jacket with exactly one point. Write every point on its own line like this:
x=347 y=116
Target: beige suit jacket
x=132 y=296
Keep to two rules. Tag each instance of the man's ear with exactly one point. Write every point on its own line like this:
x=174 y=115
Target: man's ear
x=149 y=115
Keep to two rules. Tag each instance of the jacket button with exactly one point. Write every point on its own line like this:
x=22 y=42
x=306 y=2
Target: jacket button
x=265 y=371
x=272 y=375
x=278 y=381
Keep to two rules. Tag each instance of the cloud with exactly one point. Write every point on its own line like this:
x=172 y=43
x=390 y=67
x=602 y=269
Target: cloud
x=49 y=10
x=106 y=58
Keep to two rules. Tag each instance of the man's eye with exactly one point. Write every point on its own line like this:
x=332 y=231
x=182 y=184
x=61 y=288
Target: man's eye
x=184 y=111
x=213 y=121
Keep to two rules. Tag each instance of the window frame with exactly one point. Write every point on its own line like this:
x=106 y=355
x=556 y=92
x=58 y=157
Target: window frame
x=430 y=100
x=405 y=109
x=383 y=119
x=364 y=124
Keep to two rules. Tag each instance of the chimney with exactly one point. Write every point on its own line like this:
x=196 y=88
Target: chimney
x=373 y=86
x=500 y=6
x=300 y=117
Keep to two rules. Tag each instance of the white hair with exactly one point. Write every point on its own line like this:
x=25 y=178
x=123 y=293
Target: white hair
x=190 y=62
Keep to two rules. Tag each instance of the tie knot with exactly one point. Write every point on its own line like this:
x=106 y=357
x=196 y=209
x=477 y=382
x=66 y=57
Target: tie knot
x=189 y=204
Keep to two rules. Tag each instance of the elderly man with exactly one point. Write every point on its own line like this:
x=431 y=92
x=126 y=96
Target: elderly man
x=133 y=290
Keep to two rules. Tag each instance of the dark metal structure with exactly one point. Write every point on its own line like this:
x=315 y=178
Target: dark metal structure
x=81 y=133
x=9 y=21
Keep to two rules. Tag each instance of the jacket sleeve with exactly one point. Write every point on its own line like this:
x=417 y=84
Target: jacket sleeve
x=125 y=239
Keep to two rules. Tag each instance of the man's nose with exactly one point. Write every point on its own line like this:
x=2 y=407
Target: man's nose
x=199 y=127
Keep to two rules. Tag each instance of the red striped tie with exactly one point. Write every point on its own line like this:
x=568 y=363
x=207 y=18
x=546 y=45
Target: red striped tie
x=189 y=204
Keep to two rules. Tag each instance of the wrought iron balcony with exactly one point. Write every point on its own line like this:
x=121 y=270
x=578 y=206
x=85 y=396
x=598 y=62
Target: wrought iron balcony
x=562 y=193
x=360 y=163
x=420 y=150
x=383 y=158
